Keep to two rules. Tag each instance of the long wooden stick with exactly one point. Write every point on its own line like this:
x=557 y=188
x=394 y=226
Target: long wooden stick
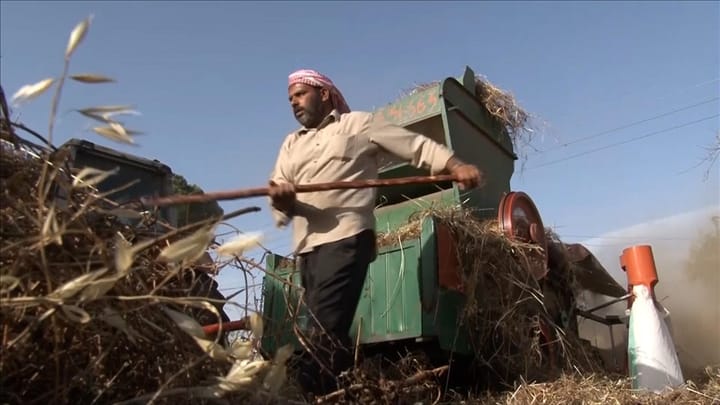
x=303 y=188
x=242 y=324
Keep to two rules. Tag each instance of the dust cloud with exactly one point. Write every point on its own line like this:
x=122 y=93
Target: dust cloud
x=687 y=257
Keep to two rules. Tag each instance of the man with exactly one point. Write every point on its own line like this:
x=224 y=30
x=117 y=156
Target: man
x=334 y=231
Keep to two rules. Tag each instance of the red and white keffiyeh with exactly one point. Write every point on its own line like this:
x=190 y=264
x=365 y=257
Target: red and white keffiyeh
x=316 y=79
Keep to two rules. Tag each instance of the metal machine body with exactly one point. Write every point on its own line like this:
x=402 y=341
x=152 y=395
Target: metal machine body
x=134 y=178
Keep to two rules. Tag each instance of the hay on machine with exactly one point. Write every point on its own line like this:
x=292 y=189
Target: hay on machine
x=513 y=320
x=501 y=104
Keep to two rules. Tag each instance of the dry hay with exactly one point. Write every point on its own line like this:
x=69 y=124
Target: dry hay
x=502 y=105
x=412 y=378
x=409 y=380
x=602 y=389
x=400 y=378
x=95 y=309
x=514 y=322
x=410 y=230
x=101 y=303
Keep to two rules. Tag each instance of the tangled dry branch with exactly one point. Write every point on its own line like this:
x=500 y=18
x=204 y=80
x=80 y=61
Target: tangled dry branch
x=103 y=302
x=97 y=306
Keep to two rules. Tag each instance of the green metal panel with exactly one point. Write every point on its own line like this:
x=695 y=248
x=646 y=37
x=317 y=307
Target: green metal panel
x=451 y=335
x=389 y=307
x=429 y=276
x=459 y=99
x=440 y=307
x=281 y=295
x=477 y=139
x=414 y=107
x=392 y=216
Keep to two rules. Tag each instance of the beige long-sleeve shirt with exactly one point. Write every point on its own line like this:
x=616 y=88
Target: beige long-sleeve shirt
x=344 y=147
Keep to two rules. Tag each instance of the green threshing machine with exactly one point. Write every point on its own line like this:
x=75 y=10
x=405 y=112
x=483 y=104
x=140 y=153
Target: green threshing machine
x=412 y=291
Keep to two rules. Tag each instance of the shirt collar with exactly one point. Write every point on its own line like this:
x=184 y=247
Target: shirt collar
x=334 y=116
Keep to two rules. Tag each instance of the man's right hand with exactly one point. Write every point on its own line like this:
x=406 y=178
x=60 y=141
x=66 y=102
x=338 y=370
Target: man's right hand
x=283 y=196
x=469 y=176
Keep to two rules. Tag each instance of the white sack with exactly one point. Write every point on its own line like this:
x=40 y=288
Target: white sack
x=654 y=364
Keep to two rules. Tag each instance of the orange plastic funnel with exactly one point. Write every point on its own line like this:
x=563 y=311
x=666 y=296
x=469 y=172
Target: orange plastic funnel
x=639 y=264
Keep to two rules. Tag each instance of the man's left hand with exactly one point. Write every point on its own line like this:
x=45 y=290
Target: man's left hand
x=469 y=176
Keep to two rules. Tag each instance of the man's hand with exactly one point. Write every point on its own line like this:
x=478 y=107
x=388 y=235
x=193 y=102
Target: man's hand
x=469 y=176
x=283 y=196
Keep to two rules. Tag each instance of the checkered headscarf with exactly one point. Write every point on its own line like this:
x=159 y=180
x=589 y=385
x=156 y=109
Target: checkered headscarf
x=316 y=79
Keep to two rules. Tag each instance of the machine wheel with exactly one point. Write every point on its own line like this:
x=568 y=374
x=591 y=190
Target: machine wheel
x=520 y=220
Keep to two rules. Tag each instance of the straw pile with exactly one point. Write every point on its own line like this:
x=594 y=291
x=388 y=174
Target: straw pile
x=389 y=379
x=96 y=310
x=597 y=389
x=502 y=105
x=103 y=303
x=514 y=321
x=411 y=380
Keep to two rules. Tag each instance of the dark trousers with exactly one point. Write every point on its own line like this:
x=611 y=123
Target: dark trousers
x=332 y=276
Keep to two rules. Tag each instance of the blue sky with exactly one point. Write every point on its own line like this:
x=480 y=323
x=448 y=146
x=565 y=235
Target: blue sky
x=210 y=81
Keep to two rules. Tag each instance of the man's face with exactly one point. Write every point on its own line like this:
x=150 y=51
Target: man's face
x=309 y=104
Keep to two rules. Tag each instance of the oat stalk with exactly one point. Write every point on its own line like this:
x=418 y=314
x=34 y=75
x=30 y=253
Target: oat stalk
x=76 y=37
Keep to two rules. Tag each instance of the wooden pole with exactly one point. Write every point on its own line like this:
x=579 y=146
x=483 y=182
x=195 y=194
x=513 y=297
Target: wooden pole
x=303 y=188
x=213 y=328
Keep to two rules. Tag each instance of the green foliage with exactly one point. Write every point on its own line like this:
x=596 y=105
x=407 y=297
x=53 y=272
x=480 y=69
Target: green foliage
x=190 y=213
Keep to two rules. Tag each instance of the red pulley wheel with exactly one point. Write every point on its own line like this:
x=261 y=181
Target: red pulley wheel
x=520 y=220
